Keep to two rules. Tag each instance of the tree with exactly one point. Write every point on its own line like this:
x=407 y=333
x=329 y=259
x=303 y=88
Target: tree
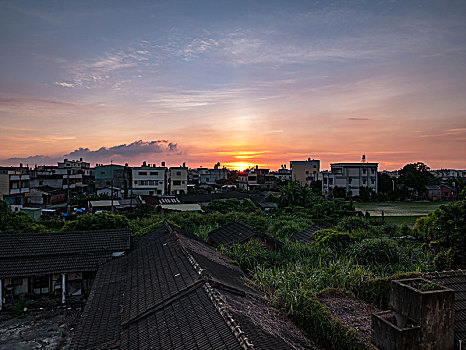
x=416 y=176
x=367 y=194
x=443 y=231
x=293 y=194
x=339 y=192
x=17 y=222
x=99 y=221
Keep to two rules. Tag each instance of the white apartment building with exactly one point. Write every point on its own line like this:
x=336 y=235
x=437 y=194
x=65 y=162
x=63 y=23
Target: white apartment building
x=282 y=174
x=350 y=176
x=149 y=180
x=178 y=179
x=211 y=176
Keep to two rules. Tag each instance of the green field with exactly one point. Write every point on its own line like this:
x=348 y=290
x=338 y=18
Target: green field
x=398 y=212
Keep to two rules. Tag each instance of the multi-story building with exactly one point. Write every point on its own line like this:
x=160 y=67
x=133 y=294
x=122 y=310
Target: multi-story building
x=178 y=178
x=149 y=179
x=351 y=177
x=445 y=174
x=256 y=178
x=283 y=174
x=14 y=185
x=112 y=175
x=305 y=171
x=74 y=164
x=212 y=176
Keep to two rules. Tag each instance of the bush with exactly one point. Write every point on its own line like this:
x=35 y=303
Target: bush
x=443 y=231
x=352 y=223
x=333 y=239
x=17 y=222
x=378 y=251
x=314 y=320
x=99 y=221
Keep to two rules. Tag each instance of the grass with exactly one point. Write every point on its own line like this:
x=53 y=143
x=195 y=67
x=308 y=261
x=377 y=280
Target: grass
x=398 y=220
x=403 y=209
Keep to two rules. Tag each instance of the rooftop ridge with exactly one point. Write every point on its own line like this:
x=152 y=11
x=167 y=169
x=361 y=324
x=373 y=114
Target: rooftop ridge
x=445 y=273
x=22 y=234
x=218 y=302
x=226 y=315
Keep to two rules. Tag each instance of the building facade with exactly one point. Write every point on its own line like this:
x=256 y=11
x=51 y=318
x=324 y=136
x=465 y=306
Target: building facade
x=212 y=176
x=305 y=171
x=148 y=179
x=351 y=177
x=112 y=175
x=178 y=179
x=14 y=185
x=256 y=178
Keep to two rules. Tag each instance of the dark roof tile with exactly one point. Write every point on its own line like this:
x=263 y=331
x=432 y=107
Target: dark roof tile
x=305 y=236
x=237 y=232
x=171 y=294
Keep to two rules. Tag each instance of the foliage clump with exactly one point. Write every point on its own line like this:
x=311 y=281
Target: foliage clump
x=17 y=222
x=444 y=233
x=99 y=221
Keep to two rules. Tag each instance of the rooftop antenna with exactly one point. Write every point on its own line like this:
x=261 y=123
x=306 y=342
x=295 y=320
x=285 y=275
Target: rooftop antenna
x=363 y=160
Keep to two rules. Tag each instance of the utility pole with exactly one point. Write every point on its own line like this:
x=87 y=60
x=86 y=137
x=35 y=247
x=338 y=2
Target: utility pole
x=131 y=201
x=68 y=190
x=112 y=192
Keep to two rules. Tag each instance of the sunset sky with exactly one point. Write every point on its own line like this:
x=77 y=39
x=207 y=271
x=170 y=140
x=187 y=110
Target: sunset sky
x=251 y=82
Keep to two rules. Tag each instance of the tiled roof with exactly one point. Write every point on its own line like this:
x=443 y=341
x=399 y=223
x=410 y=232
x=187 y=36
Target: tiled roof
x=43 y=253
x=41 y=265
x=40 y=244
x=174 y=292
x=455 y=280
x=306 y=235
x=237 y=232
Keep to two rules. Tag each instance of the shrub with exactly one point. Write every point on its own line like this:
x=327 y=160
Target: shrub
x=333 y=239
x=352 y=223
x=443 y=231
x=379 y=251
x=99 y=221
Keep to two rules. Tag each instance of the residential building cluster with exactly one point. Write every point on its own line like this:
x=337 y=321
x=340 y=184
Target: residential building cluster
x=46 y=186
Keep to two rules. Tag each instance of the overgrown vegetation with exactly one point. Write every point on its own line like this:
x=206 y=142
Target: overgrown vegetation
x=355 y=254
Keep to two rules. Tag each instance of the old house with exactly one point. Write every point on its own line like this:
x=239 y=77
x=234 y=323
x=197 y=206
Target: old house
x=306 y=236
x=172 y=291
x=239 y=232
x=441 y=192
x=58 y=264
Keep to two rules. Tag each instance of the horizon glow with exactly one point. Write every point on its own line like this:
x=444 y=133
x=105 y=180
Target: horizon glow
x=238 y=83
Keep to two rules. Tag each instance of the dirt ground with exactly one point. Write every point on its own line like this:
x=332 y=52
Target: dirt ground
x=350 y=311
x=39 y=329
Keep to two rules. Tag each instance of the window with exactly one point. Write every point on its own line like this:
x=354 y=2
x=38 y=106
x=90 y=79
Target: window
x=372 y=182
x=330 y=181
x=154 y=173
x=17 y=281
x=176 y=183
x=307 y=172
x=350 y=179
x=102 y=173
x=178 y=173
x=373 y=171
x=364 y=181
x=142 y=173
x=364 y=171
